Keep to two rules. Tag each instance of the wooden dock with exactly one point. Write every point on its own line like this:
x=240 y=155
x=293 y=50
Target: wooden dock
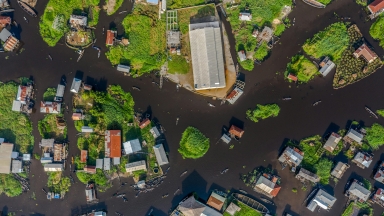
x=251 y=203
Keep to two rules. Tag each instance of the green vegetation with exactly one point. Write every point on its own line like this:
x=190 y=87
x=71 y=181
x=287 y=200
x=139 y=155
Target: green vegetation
x=178 y=65
x=184 y=17
x=48 y=127
x=193 y=143
x=301 y=67
x=294 y=190
x=279 y=29
x=245 y=210
x=261 y=52
x=49 y=94
x=362 y=207
x=116 y=7
x=311 y=146
x=362 y=2
x=57 y=183
x=323 y=170
x=367 y=184
x=349 y=210
x=375 y=136
x=263 y=112
x=15 y=127
x=376 y=30
x=9 y=185
x=60 y=11
x=146 y=34
x=173 y=4
x=247 y=64
x=332 y=42
x=99 y=178
x=380 y=112
x=249 y=178
x=325 y=2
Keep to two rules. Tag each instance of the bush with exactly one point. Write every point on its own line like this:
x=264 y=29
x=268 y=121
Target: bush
x=193 y=143
x=247 y=64
x=49 y=94
x=173 y=4
x=332 y=42
x=294 y=190
x=303 y=68
x=375 y=136
x=377 y=31
x=310 y=146
x=279 y=29
x=263 y=112
x=118 y=4
x=261 y=52
x=323 y=170
x=9 y=185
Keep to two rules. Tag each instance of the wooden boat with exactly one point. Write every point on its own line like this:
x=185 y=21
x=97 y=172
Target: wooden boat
x=371 y=112
x=224 y=171
x=81 y=53
x=176 y=191
x=267 y=201
x=211 y=105
x=316 y=103
x=27 y=8
x=185 y=172
x=135 y=88
x=243 y=191
x=251 y=203
x=287 y=98
x=50 y=57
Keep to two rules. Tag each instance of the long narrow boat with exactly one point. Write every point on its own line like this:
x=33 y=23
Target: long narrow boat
x=251 y=203
x=371 y=112
x=27 y=8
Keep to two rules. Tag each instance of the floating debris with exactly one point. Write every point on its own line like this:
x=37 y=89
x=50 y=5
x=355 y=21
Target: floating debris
x=287 y=98
x=224 y=171
x=211 y=105
x=50 y=57
x=316 y=103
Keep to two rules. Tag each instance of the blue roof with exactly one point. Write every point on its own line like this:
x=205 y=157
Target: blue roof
x=153 y=1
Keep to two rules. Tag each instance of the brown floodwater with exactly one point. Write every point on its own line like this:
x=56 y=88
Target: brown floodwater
x=260 y=144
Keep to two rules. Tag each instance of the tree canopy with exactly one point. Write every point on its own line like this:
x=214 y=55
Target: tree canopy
x=193 y=143
x=375 y=136
x=263 y=112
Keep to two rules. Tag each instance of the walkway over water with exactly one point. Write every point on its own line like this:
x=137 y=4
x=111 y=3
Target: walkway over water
x=251 y=203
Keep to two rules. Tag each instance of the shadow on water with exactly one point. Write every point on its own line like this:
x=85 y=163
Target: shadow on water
x=155 y=212
x=99 y=85
x=331 y=128
x=79 y=75
x=83 y=209
x=287 y=210
x=237 y=122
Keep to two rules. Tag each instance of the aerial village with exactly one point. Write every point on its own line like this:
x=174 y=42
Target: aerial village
x=117 y=141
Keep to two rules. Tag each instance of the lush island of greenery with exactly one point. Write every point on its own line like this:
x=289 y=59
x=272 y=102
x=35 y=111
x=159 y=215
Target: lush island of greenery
x=377 y=31
x=332 y=42
x=57 y=13
x=57 y=183
x=323 y=170
x=380 y=112
x=193 y=143
x=362 y=207
x=178 y=64
x=10 y=186
x=263 y=112
x=146 y=34
x=48 y=127
x=49 y=94
x=375 y=136
x=301 y=67
x=313 y=149
x=264 y=13
x=174 y=4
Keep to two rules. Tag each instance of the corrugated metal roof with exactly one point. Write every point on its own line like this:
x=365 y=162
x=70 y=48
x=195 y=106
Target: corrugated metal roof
x=99 y=163
x=132 y=146
x=53 y=167
x=107 y=163
x=359 y=191
x=16 y=106
x=5 y=34
x=134 y=166
x=60 y=90
x=265 y=184
x=5 y=157
x=47 y=143
x=112 y=143
x=155 y=132
x=161 y=157
x=75 y=87
x=16 y=166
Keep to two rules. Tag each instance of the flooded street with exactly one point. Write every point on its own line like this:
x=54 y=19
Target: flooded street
x=260 y=144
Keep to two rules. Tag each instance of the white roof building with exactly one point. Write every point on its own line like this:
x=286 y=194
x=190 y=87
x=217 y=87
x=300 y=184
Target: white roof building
x=207 y=55
x=75 y=87
x=47 y=143
x=86 y=129
x=76 y=20
x=60 y=90
x=17 y=166
x=107 y=163
x=161 y=157
x=99 y=163
x=323 y=200
x=138 y=165
x=354 y=136
x=5 y=157
x=359 y=191
x=16 y=106
x=155 y=132
x=245 y=17
x=53 y=167
x=132 y=146
x=265 y=184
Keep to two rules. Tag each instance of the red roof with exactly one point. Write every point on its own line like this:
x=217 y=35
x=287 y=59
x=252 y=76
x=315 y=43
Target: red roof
x=110 y=37
x=232 y=94
x=376 y=6
x=367 y=53
x=90 y=169
x=76 y=116
x=112 y=143
x=84 y=155
x=275 y=191
x=144 y=123
x=4 y=20
x=292 y=77
x=11 y=43
x=236 y=131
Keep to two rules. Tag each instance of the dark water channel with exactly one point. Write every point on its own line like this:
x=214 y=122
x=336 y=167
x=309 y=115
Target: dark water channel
x=260 y=144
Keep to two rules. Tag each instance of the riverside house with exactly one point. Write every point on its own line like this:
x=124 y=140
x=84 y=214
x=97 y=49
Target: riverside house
x=244 y=16
x=366 y=53
x=326 y=65
x=378 y=197
x=242 y=55
x=357 y=191
x=305 y=175
x=216 y=201
x=322 y=199
x=379 y=175
x=267 y=185
x=332 y=142
x=339 y=170
x=191 y=207
x=292 y=157
x=353 y=136
x=376 y=8
x=363 y=160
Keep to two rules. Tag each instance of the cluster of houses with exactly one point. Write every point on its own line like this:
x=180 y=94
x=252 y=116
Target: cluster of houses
x=23 y=102
x=54 y=155
x=11 y=161
x=8 y=40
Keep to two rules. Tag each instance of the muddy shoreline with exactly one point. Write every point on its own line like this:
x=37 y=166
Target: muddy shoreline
x=260 y=144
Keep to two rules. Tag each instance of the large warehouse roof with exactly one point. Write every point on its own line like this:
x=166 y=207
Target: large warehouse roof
x=5 y=157
x=207 y=55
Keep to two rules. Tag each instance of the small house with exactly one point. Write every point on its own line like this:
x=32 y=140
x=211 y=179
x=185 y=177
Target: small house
x=161 y=157
x=112 y=143
x=116 y=161
x=323 y=200
x=46 y=160
x=77 y=21
x=111 y=35
x=90 y=193
x=50 y=167
x=50 y=107
x=379 y=175
x=378 y=197
x=4 y=21
x=366 y=52
x=99 y=163
x=17 y=166
x=267 y=185
x=353 y=136
x=86 y=129
x=16 y=106
x=5 y=157
x=234 y=95
x=225 y=138
x=292 y=77
x=144 y=123
x=216 y=201
x=155 y=132
x=107 y=163
x=236 y=132
x=326 y=66
x=245 y=16
x=58 y=152
x=305 y=175
x=332 y=142
x=123 y=68
x=357 y=191
x=26 y=157
x=232 y=209
x=192 y=207
x=291 y=156
x=135 y=166
x=363 y=160
x=77 y=116
x=76 y=84
x=339 y=170
x=59 y=93
x=265 y=35
x=132 y=146
x=376 y=7
x=84 y=156
x=10 y=42
x=242 y=55
x=90 y=169
x=47 y=143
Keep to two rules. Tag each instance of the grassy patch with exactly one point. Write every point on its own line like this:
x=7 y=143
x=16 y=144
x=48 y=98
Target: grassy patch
x=57 y=183
x=310 y=146
x=332 y=42
x=178 y=65
x=349 y=210
x=185 y=16
x=99 y=178
x=325 y=2
x=118 y=4
x=375 y=136
x=261 y=52
x=303 y=68
x=323 y=170
x=61 y=10
x=377 y=31
x=10 y=186
x=48 y=128
x=263 y=112
x=247 y=64
x=380 y=112
x=279 y=29
x=146 y=34
x=49 y=94
x=15 y=127
x=173 y=4
x=193 y=143
x=245 y=210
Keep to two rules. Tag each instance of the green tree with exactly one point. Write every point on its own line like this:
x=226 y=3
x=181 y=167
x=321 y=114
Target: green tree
x=193 y=143
x=323 y=170
x=375 y=136
x=263 y=112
